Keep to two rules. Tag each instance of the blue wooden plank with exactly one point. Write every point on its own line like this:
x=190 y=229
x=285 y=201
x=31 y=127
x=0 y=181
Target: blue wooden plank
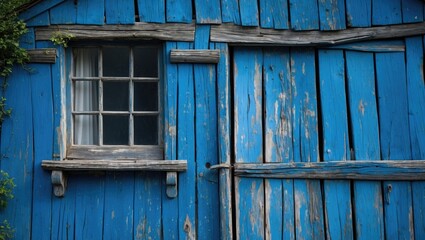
x=369 y=219
x=42 y=107
x=416 y=96
x=40 y=7
x=57 y=15
x=248 y=12
x=359 y=13
x=230 y=11
x=304 y=14
x=278 y=143
x=395 y=140
x=119 y=12
x=40 y=20
x=274 y=14
x=147 y=202
x=93 y=12
x=247 y=70
x=179 y=11
x=224 y=135
x=208 y=11
x=206 y=141
x=63 y=213
x=412 y=11
x=119 y=206
x=335 y=141
x=89 y=205
x=152 y=11
x=386 y=12
x=307 y=193
x=186 y=147
x=170 y=206
x=332 y=14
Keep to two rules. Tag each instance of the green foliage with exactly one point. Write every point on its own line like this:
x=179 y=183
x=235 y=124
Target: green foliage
x=6 y=232
x=61 y=38
x=6 y=193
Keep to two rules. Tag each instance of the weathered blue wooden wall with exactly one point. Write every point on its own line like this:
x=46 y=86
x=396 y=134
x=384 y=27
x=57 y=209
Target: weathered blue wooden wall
x=305 y=105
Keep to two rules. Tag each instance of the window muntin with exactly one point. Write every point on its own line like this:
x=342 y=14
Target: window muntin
x=116 y=96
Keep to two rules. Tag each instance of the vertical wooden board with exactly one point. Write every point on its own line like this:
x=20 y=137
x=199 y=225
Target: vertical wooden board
x=279 y=204
x=89 y=204
x=386 y=12
x=57 y=15
x=119 y=12
x=63 y=213
x=412 y=11
x=208 y=11
x=332 y=14
x=40 y=20
x=359 y=13
x=395 y=140
x=274 y=14
x=304 y=14
x=335 y=142
x=309 y=218
x=369 y=219
x=152 y=11
x=248 y=12
x=39 y=8
x=170 y=209
x=93 y=12
x=206 y=141
x=247 y=70
x=147 y=205
x=119 y=206
x=416 y=96
x=42 y=109
x=186 y=148
x=179 y=11
x=230 y=11
x=224 y=135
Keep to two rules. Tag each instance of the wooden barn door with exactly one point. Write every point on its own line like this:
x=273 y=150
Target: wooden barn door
x=295 y=105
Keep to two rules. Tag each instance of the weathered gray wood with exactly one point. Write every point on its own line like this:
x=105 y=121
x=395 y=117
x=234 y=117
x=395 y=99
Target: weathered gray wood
x=148 y=31
x=356 y=170
x=254 y=35
x=115 y=153
x=42 y=55
x=194 y=56
x=116 y=165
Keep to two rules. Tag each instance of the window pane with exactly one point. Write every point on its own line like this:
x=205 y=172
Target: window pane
x=115 y=96
x=85 y=62
x=146 y=130
x=145 y=62
x=145 y=96
x=115 y=130
x=86 y=96
x=116 y=62
x=86 y=130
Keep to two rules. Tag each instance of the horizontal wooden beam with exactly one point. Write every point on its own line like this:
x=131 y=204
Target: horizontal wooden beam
x=238 y=35
x=147 y=31
x=42 y=55
x=116 y=165
x=349 y=170
x=194 y=56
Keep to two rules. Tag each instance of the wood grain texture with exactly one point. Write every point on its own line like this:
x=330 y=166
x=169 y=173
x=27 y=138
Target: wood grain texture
x=56 y=16
x=151 y=11
x=179 y=11
x=274 y=14
x=412 y=11
x=359 y=13
x=395 y=140
x=386 y=12
x=38 y=8
x=373 y=46
x=416 y=96
x=42 y=55
x=230 y=11
x=207 y=11
x=335 y=142
x=368 y=208
x=92 y=12
x=40 y=20
x=194 y=56
x=309 y=218
x=115 y=153
x=119 y=12
x=304 y=14
x=332 y=14
x=248 y=10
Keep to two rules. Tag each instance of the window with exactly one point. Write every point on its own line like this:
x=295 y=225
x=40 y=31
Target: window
x=115 y=102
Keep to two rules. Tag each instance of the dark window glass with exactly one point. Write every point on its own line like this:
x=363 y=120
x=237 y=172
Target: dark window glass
x=115 y=96
x=145 y=96
x=116 y=62
x=115 y=130
x=146 y=130
x=145 y=62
